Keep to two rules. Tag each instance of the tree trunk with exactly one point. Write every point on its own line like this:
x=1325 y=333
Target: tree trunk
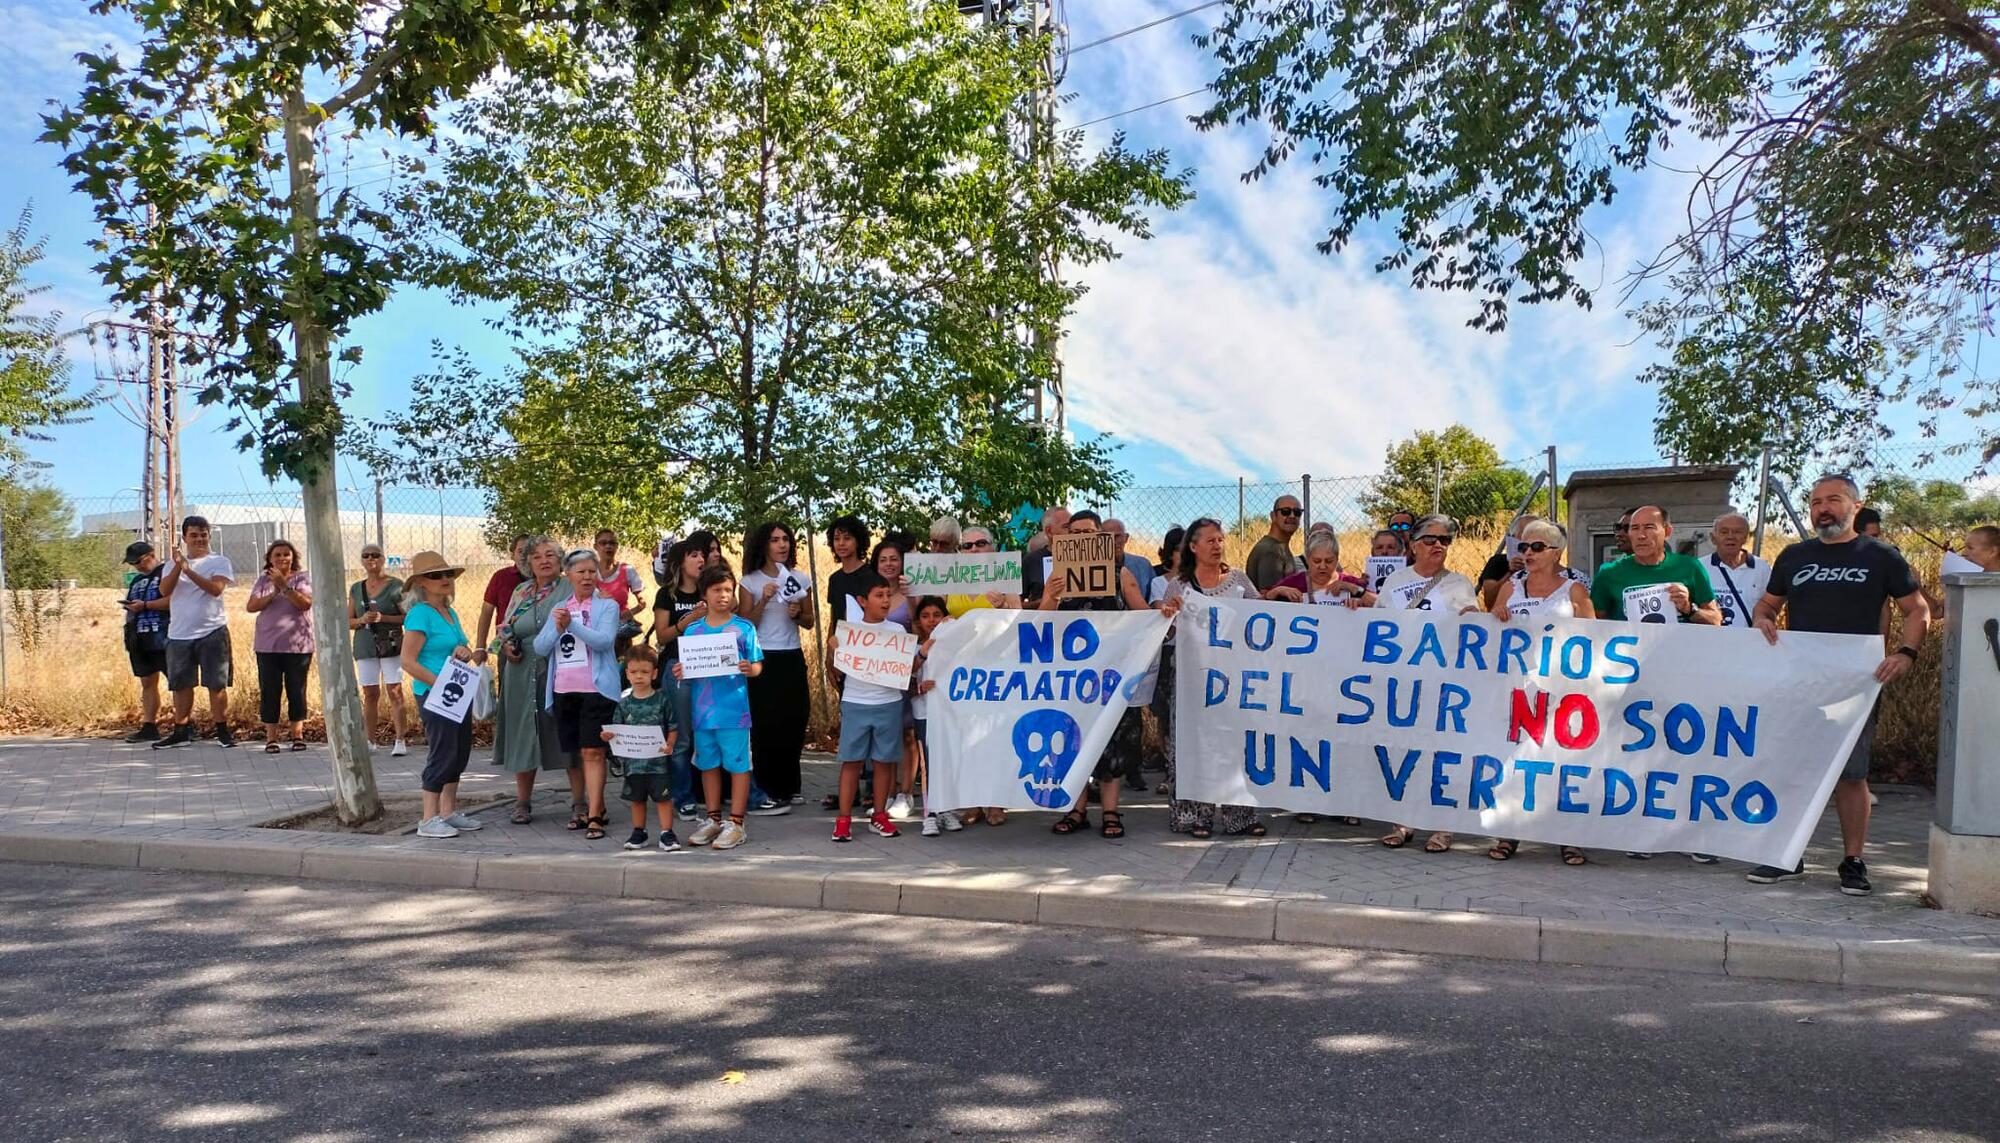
x=355 y=798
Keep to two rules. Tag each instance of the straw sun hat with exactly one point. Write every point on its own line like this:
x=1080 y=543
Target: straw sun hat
x=430 y=563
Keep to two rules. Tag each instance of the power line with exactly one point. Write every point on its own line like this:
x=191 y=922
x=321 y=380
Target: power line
x=1141 y=107
x=1144 y=26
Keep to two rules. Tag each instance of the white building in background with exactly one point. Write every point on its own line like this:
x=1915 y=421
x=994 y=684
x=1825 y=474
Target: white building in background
x=243 y=531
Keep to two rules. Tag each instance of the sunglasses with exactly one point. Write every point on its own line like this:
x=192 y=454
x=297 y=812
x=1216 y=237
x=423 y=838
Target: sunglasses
x=1440 y=541
x=1531 y=546
x=1401 y=527
x=1286 y=511
x=371 y=555
x=977 y=544
x=1621 y=527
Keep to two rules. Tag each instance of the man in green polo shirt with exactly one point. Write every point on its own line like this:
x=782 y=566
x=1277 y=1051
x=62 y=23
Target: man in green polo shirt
x=1654 y=585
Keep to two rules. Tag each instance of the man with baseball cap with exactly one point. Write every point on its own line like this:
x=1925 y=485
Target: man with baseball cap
x=146 y=635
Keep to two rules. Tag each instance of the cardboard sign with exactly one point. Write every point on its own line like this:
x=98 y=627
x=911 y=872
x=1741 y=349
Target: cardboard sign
x=1381 y=568
x=1649 y=603
x=965 y=573
x=708 y=656
x=635 y=741
x=879 y=653
x=451 y=696
x=1085 y=565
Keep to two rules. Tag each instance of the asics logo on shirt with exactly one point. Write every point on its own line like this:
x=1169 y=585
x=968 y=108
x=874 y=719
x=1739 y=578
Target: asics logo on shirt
x=1813 y=573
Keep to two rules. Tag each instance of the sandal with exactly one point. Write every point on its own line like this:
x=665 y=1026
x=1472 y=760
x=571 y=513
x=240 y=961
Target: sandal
x=972 y=816
x=522 y=814
x=995 y=816
x=1305 y=819
x=578 y=819
x=1400 y=838
x=1113 y=824
x=270 y=748
x=1257 y=829
x=1439 y=842
x=298 y=744
x=1573 y=856
x=1201 y=833
x=595 y=830
x=1503 y=849
x=1069 y=823
x=830 y=802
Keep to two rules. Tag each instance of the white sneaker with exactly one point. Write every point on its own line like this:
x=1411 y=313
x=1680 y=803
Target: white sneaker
x=732 y=835
x=949 y=820
x=461 y=821
x=930 y=825
x=436 y=827
x=399 y=749
x=705 y=833
x=901 y=808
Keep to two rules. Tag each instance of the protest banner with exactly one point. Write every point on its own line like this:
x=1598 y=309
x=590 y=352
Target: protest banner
x=879 y=653
x=1085 y=564
x=968 y=573
x=706 y=656
x=1624 y=736
x=1381 y=568
x=451 y=696
x=635 y=741
x=1029 y=701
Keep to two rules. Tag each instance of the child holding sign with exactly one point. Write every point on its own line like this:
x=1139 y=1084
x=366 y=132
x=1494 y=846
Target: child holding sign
x=871 y=720
x=647 y=776
x=722 y=711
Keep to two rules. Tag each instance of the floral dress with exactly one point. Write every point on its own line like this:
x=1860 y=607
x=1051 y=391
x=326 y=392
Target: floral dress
x=1186 y=816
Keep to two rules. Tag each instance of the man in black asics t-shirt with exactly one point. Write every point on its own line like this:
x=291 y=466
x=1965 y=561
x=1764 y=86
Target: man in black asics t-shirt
x=1839 y=583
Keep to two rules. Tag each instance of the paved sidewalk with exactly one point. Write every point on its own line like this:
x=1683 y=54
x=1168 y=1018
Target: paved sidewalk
x=203 y=791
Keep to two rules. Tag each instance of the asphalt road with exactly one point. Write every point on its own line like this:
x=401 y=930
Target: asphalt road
x=169 y=1007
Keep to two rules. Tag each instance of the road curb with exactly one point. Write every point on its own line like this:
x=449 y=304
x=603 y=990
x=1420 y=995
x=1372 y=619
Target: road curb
x=1889 y=963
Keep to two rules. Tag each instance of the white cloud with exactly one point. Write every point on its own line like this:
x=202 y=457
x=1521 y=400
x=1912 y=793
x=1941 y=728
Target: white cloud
x=38 y=54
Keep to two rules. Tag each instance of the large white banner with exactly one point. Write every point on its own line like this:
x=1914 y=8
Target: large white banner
x=1645 y=737
x=1026 y=700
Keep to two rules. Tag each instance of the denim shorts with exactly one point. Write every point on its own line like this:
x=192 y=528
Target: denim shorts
x=871 y=733
x=206 y=660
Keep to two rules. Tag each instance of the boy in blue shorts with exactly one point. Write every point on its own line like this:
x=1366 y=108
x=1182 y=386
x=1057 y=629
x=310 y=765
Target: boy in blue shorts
x=871 y=719
x=722 y=711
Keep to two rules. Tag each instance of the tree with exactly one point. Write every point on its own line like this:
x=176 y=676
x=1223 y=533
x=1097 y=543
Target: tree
x=1457 y=469
x=1839 y=249
x=181 y=152
x=34 y=369
x=797 y=280
x=1930 y=505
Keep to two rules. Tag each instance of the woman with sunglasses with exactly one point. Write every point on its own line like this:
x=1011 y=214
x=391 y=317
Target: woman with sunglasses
x=1427 y=585
x=432 y=635
x=375 y=615
x=1542 y=589
x=1201 y=570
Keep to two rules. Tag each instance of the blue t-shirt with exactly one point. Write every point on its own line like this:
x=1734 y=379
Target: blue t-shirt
x=723 y=702
x=442 y=636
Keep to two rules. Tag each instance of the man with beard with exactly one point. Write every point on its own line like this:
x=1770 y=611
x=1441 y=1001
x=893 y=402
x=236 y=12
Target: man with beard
x=1838 y=582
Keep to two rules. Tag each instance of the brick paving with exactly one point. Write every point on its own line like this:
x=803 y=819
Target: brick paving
x=94 y=784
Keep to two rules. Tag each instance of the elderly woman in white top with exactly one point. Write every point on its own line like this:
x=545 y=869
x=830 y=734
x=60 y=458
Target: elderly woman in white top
x=1427 y=585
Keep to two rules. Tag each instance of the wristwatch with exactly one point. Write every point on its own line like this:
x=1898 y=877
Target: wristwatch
x=1910 y=651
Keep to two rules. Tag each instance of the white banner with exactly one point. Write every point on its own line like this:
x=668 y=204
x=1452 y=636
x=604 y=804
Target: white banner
x=970 y=573
x=1028 y=701
x=879 y=653
x=707 y=656
x=451 y=696
x=1643 y=737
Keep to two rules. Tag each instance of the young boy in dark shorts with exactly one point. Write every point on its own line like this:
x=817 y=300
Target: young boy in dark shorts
x=647 y=779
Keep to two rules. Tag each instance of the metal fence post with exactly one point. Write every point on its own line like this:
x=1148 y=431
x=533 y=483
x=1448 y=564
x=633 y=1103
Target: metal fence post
x=1242 y=518
x=1763 y=497
x=1437 y=489
x=1306 y=501
x=1555 y=505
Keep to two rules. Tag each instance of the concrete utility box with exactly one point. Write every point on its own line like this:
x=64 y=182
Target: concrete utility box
x=1965 y=837
x=1693 y=495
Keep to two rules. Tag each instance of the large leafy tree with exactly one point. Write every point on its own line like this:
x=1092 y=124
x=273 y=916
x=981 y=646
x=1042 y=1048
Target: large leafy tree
x=34 y=367
x=205 y=156
x=1839 y=247
x=1456 y=469
x=809 y=277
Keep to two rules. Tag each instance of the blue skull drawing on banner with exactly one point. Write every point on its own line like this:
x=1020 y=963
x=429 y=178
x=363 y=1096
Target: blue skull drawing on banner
x=1046 y=742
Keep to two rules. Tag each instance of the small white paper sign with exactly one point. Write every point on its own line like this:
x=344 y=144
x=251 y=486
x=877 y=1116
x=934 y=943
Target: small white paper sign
x=1649 y=604
x=707 y=656
x=1381 y=568
x=635 y=741
x=1953 y=562
x=451 y=695
x=879 y=653
x=793 y=587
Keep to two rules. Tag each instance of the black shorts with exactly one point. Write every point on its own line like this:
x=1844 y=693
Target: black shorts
x=1863 y=755
x=648 y=788
x=580 y=720
x=148 y=661
x=205 y=661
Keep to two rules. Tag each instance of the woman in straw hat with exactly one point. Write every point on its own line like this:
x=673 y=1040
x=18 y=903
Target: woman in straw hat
x=432 y=635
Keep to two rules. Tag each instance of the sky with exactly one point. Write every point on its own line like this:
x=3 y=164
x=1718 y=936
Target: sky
x=1226 y=346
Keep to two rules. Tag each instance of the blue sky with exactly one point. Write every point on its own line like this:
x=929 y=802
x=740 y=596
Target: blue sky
x=1226 y=346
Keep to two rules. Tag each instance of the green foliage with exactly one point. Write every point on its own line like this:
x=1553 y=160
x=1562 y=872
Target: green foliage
x=796 y=280
x=1475 y=486
x=195 y=129
x=1840 y=253
x=42 y=551
x=1933 y=506
x=34 y=368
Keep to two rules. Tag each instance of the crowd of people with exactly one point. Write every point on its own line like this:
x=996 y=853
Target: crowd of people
x=576 y=654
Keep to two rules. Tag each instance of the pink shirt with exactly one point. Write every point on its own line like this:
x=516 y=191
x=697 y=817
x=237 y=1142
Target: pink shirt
x=571 y=656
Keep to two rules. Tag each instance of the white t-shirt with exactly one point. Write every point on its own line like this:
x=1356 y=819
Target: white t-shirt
x=1750 y=580
x=776 y=629
x=872 y=694
x=1557 y=604
x=195 y=612
x=1453 y=594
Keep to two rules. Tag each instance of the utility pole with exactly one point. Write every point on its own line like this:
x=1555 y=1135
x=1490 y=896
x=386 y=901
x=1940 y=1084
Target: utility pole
x=378 y=520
